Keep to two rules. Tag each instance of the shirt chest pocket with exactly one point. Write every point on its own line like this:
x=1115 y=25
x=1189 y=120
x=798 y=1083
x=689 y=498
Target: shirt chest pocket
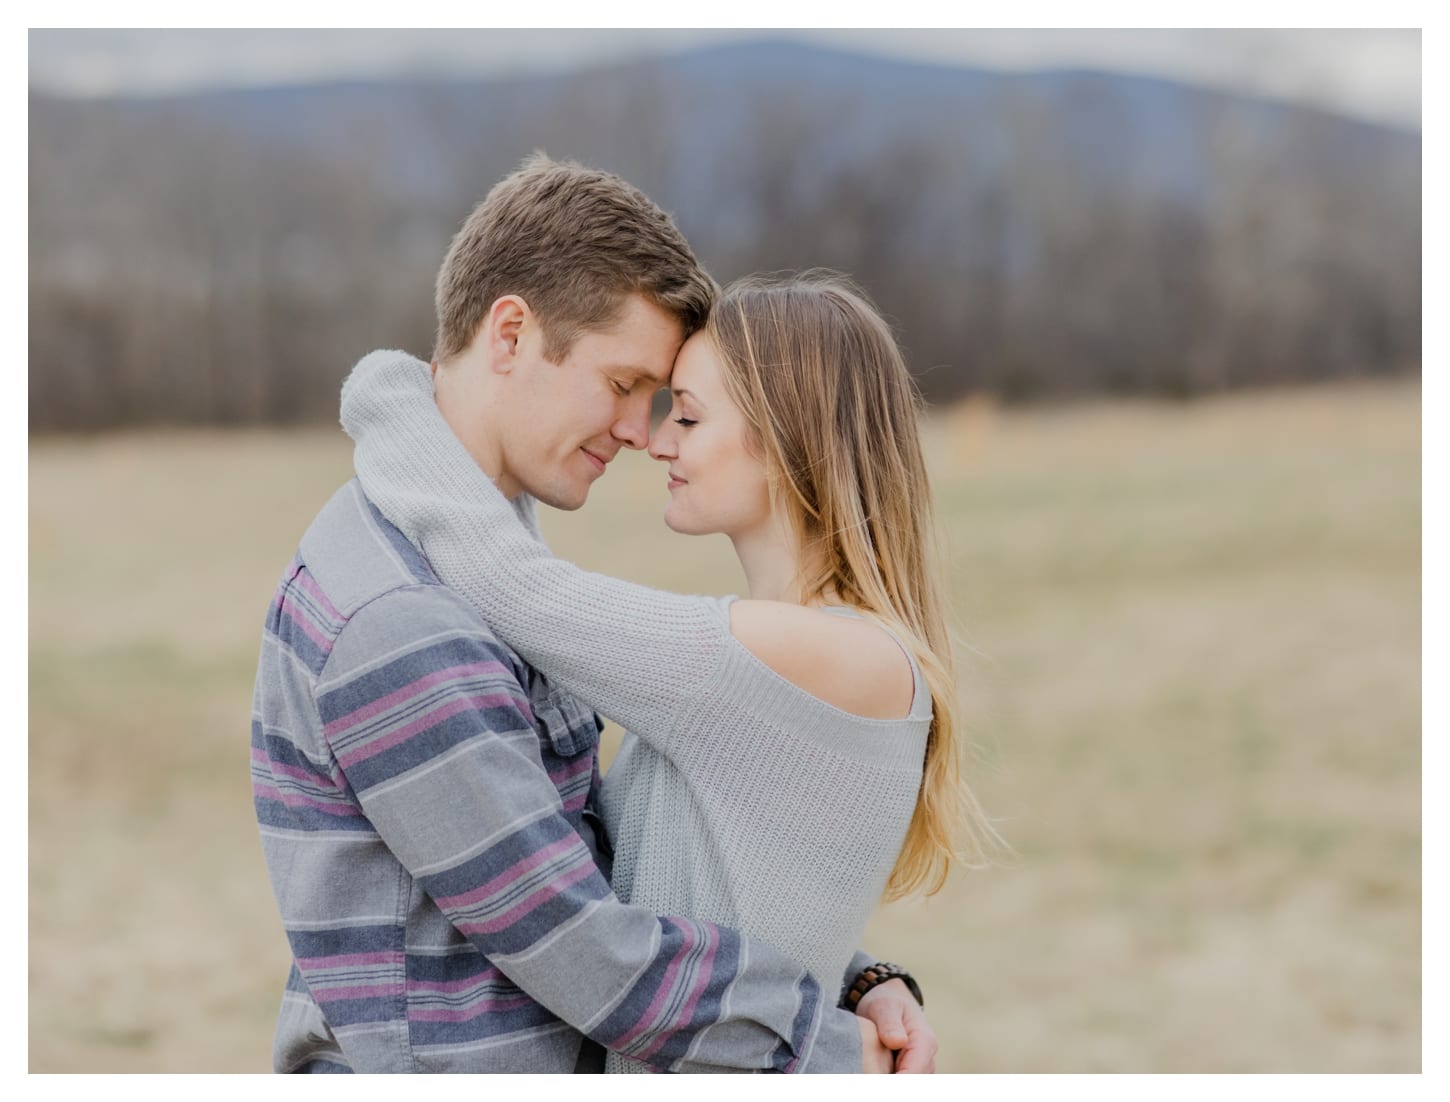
x=570 y=726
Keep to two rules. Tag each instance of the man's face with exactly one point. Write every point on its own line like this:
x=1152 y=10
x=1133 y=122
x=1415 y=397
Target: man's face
x=566 y=421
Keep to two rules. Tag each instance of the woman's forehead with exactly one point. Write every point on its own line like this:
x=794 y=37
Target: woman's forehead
x=696 y=368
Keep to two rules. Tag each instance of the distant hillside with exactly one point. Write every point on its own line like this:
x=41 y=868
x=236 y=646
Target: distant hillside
x=225 y=256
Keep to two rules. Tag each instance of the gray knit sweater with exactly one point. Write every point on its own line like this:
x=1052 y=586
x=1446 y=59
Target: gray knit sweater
x=737 y=797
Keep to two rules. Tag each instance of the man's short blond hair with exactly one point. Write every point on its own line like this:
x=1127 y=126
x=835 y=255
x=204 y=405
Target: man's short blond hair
x=572 y=242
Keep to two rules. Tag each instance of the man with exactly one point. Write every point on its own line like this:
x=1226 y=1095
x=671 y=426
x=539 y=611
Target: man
x=426 y=799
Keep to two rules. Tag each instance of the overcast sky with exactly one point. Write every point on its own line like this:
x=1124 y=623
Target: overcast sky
x=1373 y=74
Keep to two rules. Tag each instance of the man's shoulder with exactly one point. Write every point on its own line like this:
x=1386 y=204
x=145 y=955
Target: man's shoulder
x=355 y=555
x=357 y=575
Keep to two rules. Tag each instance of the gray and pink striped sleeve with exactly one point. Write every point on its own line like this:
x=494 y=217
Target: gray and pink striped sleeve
x=435 y=747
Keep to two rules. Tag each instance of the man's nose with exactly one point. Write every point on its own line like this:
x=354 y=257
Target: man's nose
x=632 y=428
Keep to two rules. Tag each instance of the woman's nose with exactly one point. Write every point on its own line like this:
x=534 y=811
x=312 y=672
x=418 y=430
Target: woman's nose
x=662 y=443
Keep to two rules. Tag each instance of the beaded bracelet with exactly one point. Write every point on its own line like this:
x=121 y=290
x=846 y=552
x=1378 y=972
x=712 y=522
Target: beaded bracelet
x=874 y=976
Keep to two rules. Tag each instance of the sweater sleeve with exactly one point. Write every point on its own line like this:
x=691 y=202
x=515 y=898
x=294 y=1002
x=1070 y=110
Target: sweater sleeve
x=634 y=653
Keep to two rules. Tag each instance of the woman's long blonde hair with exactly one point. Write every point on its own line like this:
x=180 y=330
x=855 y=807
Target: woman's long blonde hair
x=818 y=375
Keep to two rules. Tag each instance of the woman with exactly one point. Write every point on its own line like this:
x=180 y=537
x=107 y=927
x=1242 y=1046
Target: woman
x=791 y=757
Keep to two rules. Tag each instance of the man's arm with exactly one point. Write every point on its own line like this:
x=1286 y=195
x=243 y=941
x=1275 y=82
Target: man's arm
x=433 y=733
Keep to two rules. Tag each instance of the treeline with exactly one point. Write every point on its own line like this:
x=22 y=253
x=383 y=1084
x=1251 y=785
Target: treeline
x=225 y=258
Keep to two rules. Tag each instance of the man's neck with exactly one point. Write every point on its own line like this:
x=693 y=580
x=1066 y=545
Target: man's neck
x=452 y=391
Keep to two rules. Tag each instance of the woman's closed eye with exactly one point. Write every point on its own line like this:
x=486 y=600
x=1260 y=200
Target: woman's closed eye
x=684 y=422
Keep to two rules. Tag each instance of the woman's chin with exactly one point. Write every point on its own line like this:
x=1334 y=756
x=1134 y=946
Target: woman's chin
x=681 y=524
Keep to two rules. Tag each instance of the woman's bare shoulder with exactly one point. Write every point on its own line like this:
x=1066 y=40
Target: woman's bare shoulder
x=854 y=665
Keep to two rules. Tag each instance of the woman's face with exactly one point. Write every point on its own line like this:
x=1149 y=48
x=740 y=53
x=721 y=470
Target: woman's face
x=717 y=483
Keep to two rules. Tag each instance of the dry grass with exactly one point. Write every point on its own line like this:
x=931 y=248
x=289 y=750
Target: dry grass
x=1194 y=689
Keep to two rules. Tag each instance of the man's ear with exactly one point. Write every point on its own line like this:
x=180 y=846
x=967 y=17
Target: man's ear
x=500 y=331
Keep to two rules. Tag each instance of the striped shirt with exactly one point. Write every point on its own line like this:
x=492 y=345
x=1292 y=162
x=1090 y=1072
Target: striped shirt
x=426 y=806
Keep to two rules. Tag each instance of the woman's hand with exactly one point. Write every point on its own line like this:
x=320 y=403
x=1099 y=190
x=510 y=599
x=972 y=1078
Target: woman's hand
x=876 y=1058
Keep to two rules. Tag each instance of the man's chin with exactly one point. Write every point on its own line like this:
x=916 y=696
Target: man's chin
x=567 y=498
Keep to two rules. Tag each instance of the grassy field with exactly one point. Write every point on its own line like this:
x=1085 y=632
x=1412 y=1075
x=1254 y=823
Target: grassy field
x=1192 y=643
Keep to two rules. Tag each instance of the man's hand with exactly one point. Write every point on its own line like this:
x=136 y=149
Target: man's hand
x=901 y=1024
x=875 y=1057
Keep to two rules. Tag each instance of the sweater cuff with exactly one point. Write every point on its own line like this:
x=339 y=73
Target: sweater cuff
x=837 y=1050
